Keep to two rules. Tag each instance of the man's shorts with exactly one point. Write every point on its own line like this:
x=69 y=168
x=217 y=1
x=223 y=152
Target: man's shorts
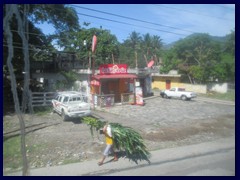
x=107 y=150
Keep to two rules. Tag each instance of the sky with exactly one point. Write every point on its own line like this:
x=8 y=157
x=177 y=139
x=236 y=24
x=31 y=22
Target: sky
x=169 y=21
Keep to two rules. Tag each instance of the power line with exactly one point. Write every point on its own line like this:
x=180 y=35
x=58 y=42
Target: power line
x=130 y=24
x=43 y=50
x=123 y=23
x=134 y=19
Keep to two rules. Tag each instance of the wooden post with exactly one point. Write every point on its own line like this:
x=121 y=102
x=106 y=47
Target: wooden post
x=112 y=58
x=136 y=59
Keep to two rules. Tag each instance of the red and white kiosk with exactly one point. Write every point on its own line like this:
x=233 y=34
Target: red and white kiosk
x=113 y=85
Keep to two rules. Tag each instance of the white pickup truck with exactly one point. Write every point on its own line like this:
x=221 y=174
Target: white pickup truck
x=71 y=104
x=177 y=92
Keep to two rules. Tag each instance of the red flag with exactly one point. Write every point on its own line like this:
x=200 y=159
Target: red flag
x=94 y=43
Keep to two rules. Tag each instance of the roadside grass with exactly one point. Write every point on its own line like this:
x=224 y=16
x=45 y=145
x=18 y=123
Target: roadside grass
x=229 y=96
x=12 y=157
x=11 y=153
x=42 y=110
x=70 y=161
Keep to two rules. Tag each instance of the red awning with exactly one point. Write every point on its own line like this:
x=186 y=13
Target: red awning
x=115 y=76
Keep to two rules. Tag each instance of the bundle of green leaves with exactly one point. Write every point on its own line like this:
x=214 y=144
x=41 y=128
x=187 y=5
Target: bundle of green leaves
x=125 y=139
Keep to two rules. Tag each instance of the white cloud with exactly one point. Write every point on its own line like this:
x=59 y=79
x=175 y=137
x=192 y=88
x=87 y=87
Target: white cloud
x=212 y=19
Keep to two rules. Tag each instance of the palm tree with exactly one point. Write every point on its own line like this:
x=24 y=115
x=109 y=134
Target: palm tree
x=134 y=42
x=151 y=46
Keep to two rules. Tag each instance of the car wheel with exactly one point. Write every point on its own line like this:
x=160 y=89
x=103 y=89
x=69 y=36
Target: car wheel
x=184 y=98
x=165 y=96
x=64 y=117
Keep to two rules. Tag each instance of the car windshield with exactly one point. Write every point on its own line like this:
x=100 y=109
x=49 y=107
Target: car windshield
x=65 y=99
x=181 y=89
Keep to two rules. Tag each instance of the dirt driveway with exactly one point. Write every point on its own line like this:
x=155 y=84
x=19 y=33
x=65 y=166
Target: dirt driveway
x=163 y=123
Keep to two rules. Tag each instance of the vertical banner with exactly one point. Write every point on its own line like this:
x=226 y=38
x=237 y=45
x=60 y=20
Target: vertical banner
x=139 y=96
x=94 y=43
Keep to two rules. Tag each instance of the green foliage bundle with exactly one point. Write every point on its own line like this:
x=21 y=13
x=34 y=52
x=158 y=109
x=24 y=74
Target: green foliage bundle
x=93 y=123
x=125 y=139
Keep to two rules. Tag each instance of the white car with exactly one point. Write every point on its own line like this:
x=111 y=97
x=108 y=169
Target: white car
x=71 y=104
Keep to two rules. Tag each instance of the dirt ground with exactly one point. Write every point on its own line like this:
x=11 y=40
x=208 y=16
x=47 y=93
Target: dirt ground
x=51 y=141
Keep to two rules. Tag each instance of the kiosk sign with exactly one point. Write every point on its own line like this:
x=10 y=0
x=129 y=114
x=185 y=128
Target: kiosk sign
x=113 y=69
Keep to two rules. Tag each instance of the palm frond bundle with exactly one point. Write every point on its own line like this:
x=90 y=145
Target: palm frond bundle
x=125 y=139
x=93 y=123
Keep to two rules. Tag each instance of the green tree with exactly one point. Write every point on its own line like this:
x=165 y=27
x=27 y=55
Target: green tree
x=230 y=44
x=62 y=17
x=80 y=43
x=228 y=57
x=197 y=55
x=170 y=61
x=151 y=46
x=130 y=49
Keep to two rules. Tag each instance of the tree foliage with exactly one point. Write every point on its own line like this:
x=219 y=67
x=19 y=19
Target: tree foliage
x=62 y=17
x=80 y=43
x=137 y=50
x=201 y=58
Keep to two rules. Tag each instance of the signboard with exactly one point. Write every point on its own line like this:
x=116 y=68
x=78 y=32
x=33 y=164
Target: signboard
x=139 y=96
x=113 y=69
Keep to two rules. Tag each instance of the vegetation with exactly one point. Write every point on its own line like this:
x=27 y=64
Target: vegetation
x=137 y=50
x=42 y=110
x=12 y=157
x=125 y=139
x=200 y=57
x=12 y=153
x=229 y=96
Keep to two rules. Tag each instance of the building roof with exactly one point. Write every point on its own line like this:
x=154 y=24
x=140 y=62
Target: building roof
x=115 y=76
x=166 y=75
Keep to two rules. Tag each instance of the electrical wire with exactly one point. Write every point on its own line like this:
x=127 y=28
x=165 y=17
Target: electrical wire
x=134 y=19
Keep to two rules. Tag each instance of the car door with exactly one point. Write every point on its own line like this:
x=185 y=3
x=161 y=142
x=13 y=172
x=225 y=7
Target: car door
x=171 y=92
x=180 y=92
x=58 y=103
x=83 y=106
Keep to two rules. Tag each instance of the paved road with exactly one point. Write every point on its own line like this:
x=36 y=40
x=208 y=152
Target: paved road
x=215 y=158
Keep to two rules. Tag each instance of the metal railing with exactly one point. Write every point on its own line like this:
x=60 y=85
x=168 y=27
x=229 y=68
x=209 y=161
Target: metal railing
x=104 y=100
x=108 y=100
x=42 y=98
x=127 y=98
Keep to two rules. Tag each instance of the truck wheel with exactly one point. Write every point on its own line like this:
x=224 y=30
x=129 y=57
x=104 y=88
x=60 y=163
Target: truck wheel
x=165 y=96
x=64 y=117
x=184 y=98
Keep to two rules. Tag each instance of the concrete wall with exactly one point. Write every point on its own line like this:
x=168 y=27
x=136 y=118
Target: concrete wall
x=220 y=88
x=80 y=85
x=195 y=88
x=159 y=82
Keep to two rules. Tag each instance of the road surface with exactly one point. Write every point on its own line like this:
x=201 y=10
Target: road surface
x=215 y=158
